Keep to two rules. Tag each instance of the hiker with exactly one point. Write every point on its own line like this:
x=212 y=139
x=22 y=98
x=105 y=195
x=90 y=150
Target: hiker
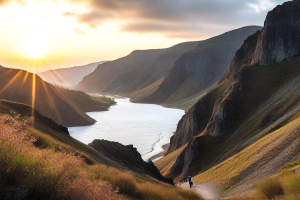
x=189 y=179
x=191 y=184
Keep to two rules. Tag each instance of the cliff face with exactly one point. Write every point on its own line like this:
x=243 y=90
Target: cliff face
x=222 y=123
x=284 y=43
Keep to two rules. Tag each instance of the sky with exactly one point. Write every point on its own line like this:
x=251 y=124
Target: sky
x=48 y=34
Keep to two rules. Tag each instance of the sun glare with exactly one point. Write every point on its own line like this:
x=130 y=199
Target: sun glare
x=34 y=49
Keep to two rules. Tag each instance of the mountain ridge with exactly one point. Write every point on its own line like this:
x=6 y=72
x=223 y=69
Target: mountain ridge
x=251 y=104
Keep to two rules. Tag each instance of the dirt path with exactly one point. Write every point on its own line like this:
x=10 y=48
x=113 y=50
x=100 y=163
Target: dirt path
x=208 y=190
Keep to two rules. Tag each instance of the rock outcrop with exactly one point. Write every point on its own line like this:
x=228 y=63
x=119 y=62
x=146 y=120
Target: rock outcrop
x=280 y=39
x=128 y=157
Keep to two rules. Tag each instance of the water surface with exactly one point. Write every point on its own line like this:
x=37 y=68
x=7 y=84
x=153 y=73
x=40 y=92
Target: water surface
x=146 y=126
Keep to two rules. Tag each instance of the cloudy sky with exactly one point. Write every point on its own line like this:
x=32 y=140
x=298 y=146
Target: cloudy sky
x=48 y=34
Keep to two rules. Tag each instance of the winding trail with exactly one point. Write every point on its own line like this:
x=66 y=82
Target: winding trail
x=208 y=190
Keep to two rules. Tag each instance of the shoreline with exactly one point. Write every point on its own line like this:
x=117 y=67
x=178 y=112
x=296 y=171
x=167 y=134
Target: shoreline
x=161 y=154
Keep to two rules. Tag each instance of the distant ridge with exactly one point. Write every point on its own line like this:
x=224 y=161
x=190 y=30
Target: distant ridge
x=68 y=77
x=168 y=75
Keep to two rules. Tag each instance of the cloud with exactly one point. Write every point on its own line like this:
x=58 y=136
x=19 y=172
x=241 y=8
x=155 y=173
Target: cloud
x=186 y=18
x=79 y=31
x=262 y=5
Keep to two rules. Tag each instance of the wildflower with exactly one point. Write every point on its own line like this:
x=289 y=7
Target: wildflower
x=8 y=170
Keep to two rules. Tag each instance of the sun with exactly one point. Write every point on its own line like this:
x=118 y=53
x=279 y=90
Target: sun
x=34 y=49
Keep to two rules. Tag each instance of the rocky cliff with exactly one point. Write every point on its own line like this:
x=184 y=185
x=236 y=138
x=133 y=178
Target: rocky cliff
x=284 y=43
x=245 y=104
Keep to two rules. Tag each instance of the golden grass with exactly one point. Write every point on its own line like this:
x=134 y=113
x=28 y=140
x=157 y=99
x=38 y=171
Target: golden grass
x=45 y=168
x=270 y=188
x=165 y=164
x=231 y=170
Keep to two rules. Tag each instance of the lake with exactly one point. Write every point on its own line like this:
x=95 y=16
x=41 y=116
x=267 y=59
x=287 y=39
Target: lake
x=146 y=126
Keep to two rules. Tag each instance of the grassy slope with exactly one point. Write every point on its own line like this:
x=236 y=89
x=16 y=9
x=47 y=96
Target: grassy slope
x=48 y=167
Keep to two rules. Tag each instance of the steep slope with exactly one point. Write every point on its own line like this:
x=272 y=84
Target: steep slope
x=68 y=77
x=66 y=107
x=251 y=103
x=201 y=67
x=134 y=72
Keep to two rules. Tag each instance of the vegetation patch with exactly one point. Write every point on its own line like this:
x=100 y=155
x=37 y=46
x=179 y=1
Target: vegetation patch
x=31 y=170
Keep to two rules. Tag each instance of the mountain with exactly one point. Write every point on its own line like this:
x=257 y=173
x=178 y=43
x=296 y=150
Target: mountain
x=64 y=106
x=200 y=68
x=139 y=70
x=247 y=127
x=68 y=77
x=168 y=75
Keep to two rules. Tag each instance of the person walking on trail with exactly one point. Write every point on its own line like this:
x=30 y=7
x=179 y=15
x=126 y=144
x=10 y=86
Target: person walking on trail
x=191 y=184
x=189 y=179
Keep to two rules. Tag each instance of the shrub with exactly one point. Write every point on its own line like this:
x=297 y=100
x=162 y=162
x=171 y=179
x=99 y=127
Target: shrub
x=270 y=188
x=292 y=187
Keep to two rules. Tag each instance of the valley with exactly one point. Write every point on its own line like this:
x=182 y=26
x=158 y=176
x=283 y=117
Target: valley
x=212 y=118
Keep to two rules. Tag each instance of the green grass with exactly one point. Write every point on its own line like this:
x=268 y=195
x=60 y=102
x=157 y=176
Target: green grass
x=106 y=101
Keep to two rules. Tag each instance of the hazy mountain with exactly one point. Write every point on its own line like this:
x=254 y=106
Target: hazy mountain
x=139 y=70
x=68 y=77
x=66 y=107
x=168 y=75
x=247 y=127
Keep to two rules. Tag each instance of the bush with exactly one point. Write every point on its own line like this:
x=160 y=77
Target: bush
x=292 y=187
x=270 y=188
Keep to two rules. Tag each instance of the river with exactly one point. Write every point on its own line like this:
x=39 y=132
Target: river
x=146 y=126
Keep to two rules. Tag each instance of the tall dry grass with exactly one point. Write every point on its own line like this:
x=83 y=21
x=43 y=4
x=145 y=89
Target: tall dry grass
x=29 y=172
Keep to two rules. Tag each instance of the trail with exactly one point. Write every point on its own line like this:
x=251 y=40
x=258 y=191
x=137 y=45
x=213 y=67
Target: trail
x=208 y=190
